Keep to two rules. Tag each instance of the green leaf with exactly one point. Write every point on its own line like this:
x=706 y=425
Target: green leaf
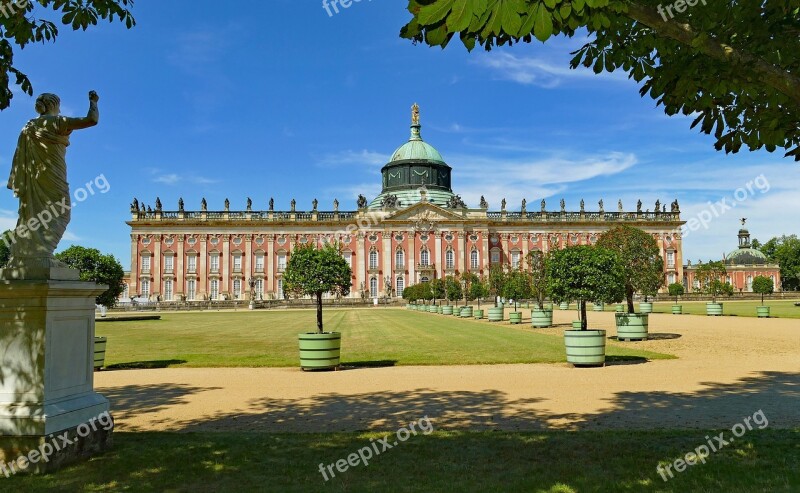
x=543 y=24
x=435 y=12
x=511 y=20
x=460 y=16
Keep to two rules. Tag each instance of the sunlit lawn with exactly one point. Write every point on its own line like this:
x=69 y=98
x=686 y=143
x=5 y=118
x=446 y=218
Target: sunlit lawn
x=369 y=336
x=557 y=462
x=780 y=309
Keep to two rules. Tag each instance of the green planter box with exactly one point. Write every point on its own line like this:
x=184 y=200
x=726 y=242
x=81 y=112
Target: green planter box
x=432 y=309
x=515 y=317
x=409 y=306
x=447 y=310
x=439 y=309
x=466 y=312
x=762 y=311
x=320 y=351
x=564 y=306
x=598 y=307
x=541 y=318
x=585 y=347
x=713 y=309
x=632 y=326
x=645 y=307
x=496 y=314
x=619 y=308
x=100 y=352
x=576 y=325
x=421 y=308
x=478 y=314
x=677 y=309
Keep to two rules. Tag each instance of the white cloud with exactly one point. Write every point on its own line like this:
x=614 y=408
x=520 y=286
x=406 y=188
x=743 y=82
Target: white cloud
x=174 y=178
x=537 y=71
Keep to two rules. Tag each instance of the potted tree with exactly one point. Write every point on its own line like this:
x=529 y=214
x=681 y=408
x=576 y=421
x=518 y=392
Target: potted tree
x=467 y=280
x=541 y=316
x=763 y=285
x=586 y=273
x=497 y=281
x=517 y=286
x=452 y=292
x=311 y=272
x=676 y=290
x=436 y=288
x=478 y=290
x=710 y=276
x=642 y=269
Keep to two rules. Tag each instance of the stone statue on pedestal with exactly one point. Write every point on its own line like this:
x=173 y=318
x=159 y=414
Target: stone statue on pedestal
x=602 y=209
x=180 y=204
x=293 y=205
x=639 y=206
x=503 y=204
x=203 y=205
x=524 y=206
x=619 y=206
x=583 y=206
x=544 y=204
x=227 y=205
x=271 y=204
x=314 y=204
x=249 y=204
x=39 y=179
x=563 y=206
x=484 y=204
x=336 y=205
x=362 y=201
x=159 y=207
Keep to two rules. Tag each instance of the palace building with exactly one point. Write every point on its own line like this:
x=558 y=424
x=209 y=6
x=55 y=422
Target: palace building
x=742 y=265
x=416 y=230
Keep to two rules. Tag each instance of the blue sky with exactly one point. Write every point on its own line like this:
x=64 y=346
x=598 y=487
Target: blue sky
x=280 y=100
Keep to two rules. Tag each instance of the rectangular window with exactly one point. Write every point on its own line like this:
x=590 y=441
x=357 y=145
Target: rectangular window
x=401 y=285
x=191 y=264
x=237 y=289
x=146 y=264
x=281 y=263
x=237 y=263
x=215 y=263
x=145 y=288
x=168 y=290
x=373 y=288
x=259 y=263
x=259 y=289
x=214 y=289
x=191 y=289
x=280 y=289
x=474 y=259
x=495 y=257
x=670 y=259
x=348 y=257
x=449 y=259
x=423 y=258
x=671 y=278
x=169 y=263
x=373 y=259
x=515 y=260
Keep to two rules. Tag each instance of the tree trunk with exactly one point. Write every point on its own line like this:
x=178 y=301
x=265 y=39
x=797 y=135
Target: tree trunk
x=584 y=324
x=319 y=312
x=629 y=296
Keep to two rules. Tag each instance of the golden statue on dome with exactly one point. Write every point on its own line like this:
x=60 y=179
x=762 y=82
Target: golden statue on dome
x=415 y=114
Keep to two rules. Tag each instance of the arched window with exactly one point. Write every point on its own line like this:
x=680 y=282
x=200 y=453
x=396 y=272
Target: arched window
x=473 y=259
x=449 y=259
x=373 y=259
x=373 y=287
x=515 y=256
x=424 y=257
x=399 y=259
x=401 y=285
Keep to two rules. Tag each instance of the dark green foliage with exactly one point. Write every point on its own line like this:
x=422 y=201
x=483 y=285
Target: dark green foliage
x=676 y=289
x=586 y=273
x=763 y=285
x=785 y=251
x=96 y=267
x=537 y=272
x=38 y=21
x=313 y=271
x=5 y=247
x=452 y=288
x=711 y=275
x=517 y=286
x=732 y=65
x=642 y=264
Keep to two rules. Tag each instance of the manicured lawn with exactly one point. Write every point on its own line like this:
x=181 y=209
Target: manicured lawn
x=374 y=337
x=557 y=462
x=780 y=309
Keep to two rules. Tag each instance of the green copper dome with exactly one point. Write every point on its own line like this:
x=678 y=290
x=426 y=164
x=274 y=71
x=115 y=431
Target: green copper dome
x=416 y=149
x=746 y=254
x=415 y=172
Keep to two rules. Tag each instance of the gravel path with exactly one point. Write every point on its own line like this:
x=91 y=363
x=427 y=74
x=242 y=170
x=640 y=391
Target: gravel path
x=728 y=368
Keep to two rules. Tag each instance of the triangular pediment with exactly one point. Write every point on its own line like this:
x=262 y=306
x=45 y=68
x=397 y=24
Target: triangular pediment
x=425 y=212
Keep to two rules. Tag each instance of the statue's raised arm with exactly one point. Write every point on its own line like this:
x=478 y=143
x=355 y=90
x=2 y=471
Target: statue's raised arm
x=39 y=179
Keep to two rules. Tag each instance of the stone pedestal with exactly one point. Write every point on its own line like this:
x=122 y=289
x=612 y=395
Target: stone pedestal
x=47 y=377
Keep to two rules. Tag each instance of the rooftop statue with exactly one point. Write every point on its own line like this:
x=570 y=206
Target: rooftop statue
x=39 y=179
x=601 y=205
x=415 y=114
x=563 y=206
x=484 y=204
x=314 y=204
x=203 y=205
x=336 y=205
x=159 y=207
x=583 y=205
x=503 y=204
x=362 y=201
x=639 y=206
x=271 y=204
x=619 y=206
x=227 y=205
x=249 y=204
x=544 y=204
x=294 y=205
x=524 y=205
x=180 y=204
x=135 y=205
x=658 y=206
